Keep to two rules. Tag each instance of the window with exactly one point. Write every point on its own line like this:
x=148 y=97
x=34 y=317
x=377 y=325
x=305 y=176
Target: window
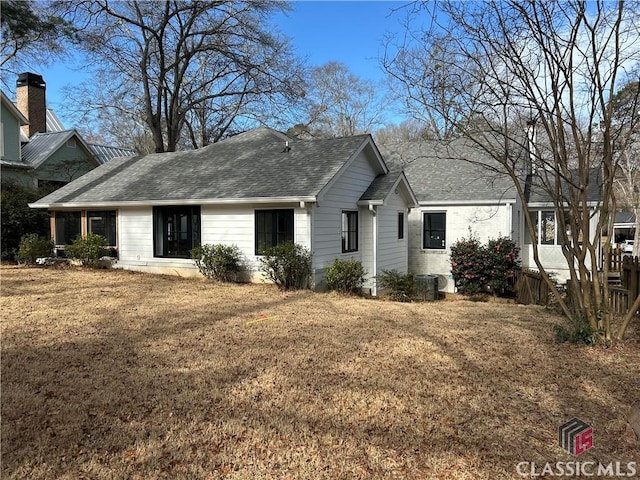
x=547 y=228
x=434 y=236
x=176 y=231
x=273 y=227
x=103 y=223
x=67 y=227
x=349 y=232
x=400 y=225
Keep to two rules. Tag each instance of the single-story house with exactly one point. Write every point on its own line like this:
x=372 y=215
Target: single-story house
x=461 y=191
x=336 y=197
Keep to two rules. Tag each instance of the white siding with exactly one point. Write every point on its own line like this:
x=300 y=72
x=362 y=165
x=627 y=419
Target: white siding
x=219 y=224
x=342 y=195
x=488 y=221
x=392 y=251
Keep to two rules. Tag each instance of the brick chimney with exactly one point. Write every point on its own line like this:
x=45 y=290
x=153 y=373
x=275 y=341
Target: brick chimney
x=30 y=95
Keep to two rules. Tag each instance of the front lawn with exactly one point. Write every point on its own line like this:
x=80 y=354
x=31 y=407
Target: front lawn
x=110 y=374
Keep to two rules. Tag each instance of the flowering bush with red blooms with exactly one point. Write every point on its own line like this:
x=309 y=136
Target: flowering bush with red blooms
x=477 y=268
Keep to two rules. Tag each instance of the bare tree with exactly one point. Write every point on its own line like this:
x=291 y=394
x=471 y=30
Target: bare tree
x=626 y=108
x=181 y=64
x=553 y=66
x=409 y=130
x=338 y=103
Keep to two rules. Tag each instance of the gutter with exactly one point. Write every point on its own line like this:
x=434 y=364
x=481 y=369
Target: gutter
x=153 y=203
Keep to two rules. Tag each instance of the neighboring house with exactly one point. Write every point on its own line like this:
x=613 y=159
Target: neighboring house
x=458 y=196
x=337 y=197
x=624 y=226
x=12 y=168
x=40 y=151
x=56 y=158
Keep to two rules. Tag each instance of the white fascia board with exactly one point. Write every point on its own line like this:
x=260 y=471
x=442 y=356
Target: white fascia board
x=551 y=204
x=364 y=203
x=159 y=203
x=503 y=201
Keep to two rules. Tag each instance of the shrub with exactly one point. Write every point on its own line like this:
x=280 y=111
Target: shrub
x=288 y=265
x=468 y=265
x=33 y=246
x=18 y=219
x=502 y=256
x=578 y=331
x=88 y=250
x=218 y=262
x=401 y=286
x=345 y=276
x=478 y=268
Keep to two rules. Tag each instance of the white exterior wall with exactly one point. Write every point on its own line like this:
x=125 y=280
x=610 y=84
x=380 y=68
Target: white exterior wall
x=392 y=251
x=551 y=256
x=219 y=224
x=485 y=221
x=342 y=195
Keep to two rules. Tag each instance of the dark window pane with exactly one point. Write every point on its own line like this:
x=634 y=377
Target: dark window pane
x=349 y=232
x=273 y=227
x=177 y=231
x=434 y=235
x=400 y=225
x=67 y=227
x=103 y=223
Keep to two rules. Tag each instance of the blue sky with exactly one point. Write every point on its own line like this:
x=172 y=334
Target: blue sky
x=321 y=31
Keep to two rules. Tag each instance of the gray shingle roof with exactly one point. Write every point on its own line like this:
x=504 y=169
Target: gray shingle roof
x=250 y=165
x=593 y=189
x=381 y=186
x=443 y=172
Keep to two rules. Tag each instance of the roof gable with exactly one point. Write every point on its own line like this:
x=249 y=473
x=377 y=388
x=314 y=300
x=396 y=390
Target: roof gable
x=22 y=120
x=42 y=146
x=383 y=185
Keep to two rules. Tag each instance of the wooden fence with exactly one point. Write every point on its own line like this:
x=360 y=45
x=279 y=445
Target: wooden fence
x=531 y=288
x=623 y=290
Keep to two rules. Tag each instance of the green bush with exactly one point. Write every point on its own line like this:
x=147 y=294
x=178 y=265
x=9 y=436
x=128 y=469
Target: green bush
x=468 y=266
x=33 y=246
x=18 y=219
x=345 y=276
x=401 y=286
x=578 y=331
x=478 y=268
x=288 y=265
x=88 y=250
x=218 y=262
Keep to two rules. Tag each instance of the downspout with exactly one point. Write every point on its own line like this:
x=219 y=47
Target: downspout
x=374 y=232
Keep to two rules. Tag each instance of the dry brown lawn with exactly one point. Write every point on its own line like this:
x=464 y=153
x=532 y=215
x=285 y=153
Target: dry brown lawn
x=114 y=375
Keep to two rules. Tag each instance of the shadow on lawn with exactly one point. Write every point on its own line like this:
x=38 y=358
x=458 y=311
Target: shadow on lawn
x=201 y=391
